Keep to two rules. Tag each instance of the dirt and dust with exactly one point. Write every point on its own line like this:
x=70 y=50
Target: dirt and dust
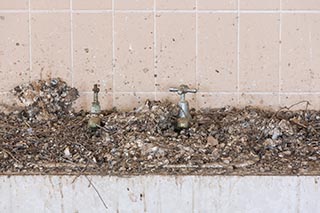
x=224 y=141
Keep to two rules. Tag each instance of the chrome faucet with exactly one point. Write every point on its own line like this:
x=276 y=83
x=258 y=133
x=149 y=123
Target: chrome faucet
x=94 y=120
x=183 y=122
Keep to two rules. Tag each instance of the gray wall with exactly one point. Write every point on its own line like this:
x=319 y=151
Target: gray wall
x=159 y=194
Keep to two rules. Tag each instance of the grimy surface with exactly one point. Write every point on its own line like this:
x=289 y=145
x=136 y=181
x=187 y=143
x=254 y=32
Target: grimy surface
x=45 y=136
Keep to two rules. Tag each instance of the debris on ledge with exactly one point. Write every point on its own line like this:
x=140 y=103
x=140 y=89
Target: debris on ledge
x=43 y=100
x=224 y=141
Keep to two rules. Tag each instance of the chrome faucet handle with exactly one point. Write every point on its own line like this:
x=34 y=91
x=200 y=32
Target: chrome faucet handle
x=183 y=122
x=183 y=89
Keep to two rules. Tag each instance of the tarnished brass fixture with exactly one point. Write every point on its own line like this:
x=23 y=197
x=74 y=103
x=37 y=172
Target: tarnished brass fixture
x=94 y=120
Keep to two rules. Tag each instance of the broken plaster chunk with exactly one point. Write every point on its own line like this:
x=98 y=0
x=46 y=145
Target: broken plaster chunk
x=211 y=141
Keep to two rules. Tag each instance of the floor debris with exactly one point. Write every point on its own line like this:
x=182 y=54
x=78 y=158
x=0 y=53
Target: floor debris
x=224 y=141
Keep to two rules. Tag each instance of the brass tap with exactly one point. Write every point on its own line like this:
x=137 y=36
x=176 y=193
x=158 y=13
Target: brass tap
x=94 y=120
x=183 y=122
x=95 y=107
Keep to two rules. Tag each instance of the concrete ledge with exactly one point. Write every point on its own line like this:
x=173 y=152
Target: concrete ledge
x=160 y=194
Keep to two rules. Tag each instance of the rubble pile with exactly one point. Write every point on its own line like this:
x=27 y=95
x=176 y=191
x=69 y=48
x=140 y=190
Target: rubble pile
x=227 y=141
x=224 y=141
x=45 y=99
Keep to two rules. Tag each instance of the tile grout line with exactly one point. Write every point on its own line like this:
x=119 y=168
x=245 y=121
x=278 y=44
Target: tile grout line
x=196 y=61
x=113 y=55
x=155 y=68
x=71 y=43
x=166 y=11
x=238 y=54
x=212 y=93
x=280 y=53
x=30 y=41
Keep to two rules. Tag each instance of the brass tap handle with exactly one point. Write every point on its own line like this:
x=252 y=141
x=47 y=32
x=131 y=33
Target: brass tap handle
x=96 y=91
x=183 y=89
x=95 y=107
x=96 y=88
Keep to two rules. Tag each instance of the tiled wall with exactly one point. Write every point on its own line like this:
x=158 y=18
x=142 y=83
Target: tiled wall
x=235 y=52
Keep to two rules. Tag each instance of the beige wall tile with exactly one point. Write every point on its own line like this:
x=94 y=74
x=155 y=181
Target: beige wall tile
x=92 y=39
x=51 y=56
x=217 y=4
x=14 y=4
x=49 y=4
x=175 y=59
x=85 y=100
x=299 y=101
x=301 y=4
x=216 y=100
x=133 y=4
x=134 y=52
x=14 y=50
x=259 y=100
x=92 y=4
x=300 y=52
x=259 y=52
x=217 y=52
x=130 y=101
x=260 y=4
x=176 y=4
